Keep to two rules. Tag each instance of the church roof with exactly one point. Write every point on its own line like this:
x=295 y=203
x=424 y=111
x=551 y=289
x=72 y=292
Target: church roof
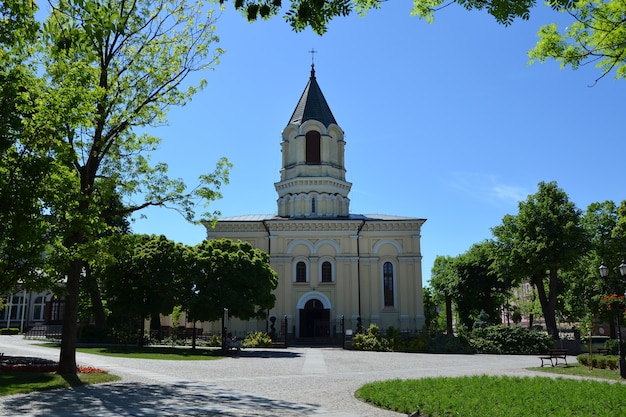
x=265 y=217
x=312 y=105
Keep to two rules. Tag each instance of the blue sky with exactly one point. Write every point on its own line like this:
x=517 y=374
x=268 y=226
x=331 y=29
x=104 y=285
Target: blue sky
x=443 y=121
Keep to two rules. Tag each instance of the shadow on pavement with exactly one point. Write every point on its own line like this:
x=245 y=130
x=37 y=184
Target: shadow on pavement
x=133 y=399
x=269 y=353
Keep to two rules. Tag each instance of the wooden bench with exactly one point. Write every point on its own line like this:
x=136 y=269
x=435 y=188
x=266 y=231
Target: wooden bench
x=553 y=356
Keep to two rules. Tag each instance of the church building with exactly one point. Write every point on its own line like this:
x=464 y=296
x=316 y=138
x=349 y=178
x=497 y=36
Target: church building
x=337 y=270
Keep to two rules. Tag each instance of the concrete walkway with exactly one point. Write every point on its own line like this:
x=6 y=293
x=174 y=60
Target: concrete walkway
x=317 y=382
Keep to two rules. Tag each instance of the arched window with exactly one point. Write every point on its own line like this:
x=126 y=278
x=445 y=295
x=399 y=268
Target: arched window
x=388 y=291
x=301 y=272
x=327 y=272
x=313 y=153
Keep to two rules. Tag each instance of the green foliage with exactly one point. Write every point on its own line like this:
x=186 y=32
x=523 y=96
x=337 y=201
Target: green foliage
x=95 y=334
x=503 y=339
x=443 y=343
x=597 y=34
x=146 y=277
x=431 y=313
x=483 y=320
x=9 y=330
x=544 y=239
x=612 y=346
x=599 y=361
x=228 y=274
x=371 y=340
x=257 y=339
x=79 y=89
x=502 y=396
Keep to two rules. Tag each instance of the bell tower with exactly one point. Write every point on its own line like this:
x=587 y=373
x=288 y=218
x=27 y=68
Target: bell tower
x=313 y=175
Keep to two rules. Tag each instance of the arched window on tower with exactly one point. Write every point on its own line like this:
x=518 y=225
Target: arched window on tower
x=313 y=209
x=388 y=291
x=327 y=272
x=313 y=153
x=300 y=272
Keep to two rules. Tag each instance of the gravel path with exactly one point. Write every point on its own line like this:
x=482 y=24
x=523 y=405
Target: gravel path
x=259 y=382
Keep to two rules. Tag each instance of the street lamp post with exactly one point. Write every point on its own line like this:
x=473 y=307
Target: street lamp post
x=604 y=273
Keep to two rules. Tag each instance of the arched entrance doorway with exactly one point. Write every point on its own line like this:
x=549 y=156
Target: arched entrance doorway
x=314 y=319
x=313 y=316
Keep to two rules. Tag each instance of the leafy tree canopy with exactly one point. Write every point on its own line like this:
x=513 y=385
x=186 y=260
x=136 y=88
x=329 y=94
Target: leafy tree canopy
x=316 y=14
x=92 y=76
x=597 y=32
x=146 y=277
x=543 y=239
x=233 y=275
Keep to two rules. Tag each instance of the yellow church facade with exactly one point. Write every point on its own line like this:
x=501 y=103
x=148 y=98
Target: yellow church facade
x=336 y=269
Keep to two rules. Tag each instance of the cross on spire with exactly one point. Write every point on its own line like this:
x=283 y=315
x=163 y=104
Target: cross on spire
x=312 y=52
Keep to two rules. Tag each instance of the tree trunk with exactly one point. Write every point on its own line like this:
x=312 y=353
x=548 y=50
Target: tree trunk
x=449 y=328
x=69 y=338
x=548 y=302
x=97 y=307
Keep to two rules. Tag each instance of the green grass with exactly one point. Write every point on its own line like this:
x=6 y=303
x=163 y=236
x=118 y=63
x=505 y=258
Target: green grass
x=171 y=353
x=488 y=396
x=154 y=352
x=24 y=382
x=580 y=370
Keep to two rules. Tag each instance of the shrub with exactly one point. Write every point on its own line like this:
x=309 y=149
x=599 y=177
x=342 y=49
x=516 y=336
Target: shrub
x=503 y=339
x=9 y=330
x=598 y=361
x=94 y=334
x=443 y=343
x=611 y=345
x=371 y=340
x=257 y=339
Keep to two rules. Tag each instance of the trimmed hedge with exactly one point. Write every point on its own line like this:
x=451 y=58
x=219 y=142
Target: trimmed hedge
x=502 y=339
x=599 y=361
x=9 y=330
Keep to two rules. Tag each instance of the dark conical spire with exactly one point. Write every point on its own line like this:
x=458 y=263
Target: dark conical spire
x=312 y=105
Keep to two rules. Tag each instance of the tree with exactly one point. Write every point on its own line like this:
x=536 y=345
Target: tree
x=146 y=279
x=110 y=69
x=545 y=237
x=233 y=275
x=443 y=281
x=317 y=14
x=26 y=169
x=479 y=287
x=597 y=34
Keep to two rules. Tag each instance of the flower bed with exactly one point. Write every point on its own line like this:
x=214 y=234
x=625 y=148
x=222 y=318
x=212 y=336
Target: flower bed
x=30 y=364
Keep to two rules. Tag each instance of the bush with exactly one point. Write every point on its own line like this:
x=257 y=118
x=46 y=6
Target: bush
x=503 y=339
x=9 y=330
x=598 y=361
x=94 y=334
x=443 y=343
x=258 y=339
x=371 y=340
x=611 y=345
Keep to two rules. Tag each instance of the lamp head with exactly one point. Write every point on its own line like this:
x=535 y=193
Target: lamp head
x=604 y=270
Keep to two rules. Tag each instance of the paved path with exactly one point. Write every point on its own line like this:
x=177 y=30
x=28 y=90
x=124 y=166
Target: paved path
x=318 y=382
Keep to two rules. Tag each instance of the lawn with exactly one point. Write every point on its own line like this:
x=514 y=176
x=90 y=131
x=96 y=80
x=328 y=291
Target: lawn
x=580 y=370
x=18 y=382
x=489 y=396
x=155 y=352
